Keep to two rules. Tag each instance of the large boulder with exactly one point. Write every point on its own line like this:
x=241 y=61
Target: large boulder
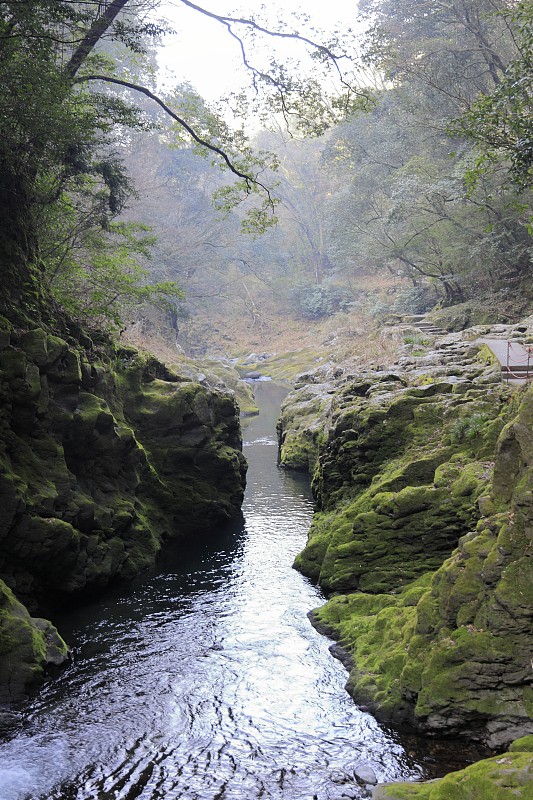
x=29 y=647
x=450 y=653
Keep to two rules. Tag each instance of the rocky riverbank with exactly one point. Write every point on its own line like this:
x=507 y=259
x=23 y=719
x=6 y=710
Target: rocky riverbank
x=504 y=777
x=104 y=454
x=422 y=478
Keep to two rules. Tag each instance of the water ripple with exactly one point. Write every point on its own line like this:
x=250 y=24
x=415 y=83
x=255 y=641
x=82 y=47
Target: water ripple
x=205 y=681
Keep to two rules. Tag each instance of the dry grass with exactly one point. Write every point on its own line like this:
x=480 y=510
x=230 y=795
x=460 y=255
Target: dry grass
x=347 y=339
x=227 y=329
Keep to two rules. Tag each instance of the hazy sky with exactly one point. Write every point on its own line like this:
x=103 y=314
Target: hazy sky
x=203 y=53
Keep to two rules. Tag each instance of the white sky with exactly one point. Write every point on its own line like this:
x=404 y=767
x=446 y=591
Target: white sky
x=203 y=53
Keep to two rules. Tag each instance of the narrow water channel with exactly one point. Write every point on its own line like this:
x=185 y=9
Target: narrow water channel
x=204 y=680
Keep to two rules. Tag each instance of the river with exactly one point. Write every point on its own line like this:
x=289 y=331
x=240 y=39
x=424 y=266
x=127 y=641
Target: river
x=204 y=680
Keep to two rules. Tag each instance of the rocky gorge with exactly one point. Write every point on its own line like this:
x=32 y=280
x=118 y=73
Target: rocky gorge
x=104 y=454
x=422 y=533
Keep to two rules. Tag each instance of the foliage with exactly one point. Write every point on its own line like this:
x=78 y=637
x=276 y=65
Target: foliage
x=419 y=205
x=384 y=200
x=499 y=122
x=103 y=276
x=468 y=428
x=449 y=51
x=320 y=301
x=416 y=338
x=396 y=188
x=414 y=300
x=57 y=140
x=62 y=182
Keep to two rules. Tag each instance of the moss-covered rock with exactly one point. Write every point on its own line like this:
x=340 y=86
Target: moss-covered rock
x=397 y=482
x=218 y=374
x=522 y=745
x=101 y=460
x=28 y=648
x=458 y=659
x=464 y=315
x=424 y=520
x=505 y=777
x=300 y=426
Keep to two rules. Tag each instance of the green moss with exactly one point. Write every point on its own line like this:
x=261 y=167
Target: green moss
x=284 y=367
x=386 y=539
x=310 y=560
x=55 y=347
x=505 y=777
x=462 y=315
x=26 y=647
x=100 y=462
x=454 y=658
x=218 y=373
x=383 y=470
x=486 y=356
x=522 y=745
x=300 y=429
x=377 y=630
x=299 y=451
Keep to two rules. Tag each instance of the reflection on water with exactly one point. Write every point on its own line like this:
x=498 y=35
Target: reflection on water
x=205 y=680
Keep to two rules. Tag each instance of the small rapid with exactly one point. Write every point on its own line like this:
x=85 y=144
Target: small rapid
x=204 y=679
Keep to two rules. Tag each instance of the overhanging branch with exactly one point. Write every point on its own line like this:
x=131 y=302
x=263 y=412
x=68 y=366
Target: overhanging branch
x=250 y=23
x=249 y=179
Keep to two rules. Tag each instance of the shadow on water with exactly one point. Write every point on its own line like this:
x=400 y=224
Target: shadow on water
x=204 y=680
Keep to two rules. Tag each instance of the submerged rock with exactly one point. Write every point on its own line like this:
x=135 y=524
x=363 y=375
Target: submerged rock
x=365 y=774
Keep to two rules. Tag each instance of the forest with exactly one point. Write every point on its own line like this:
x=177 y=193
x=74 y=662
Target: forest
x=406 y=188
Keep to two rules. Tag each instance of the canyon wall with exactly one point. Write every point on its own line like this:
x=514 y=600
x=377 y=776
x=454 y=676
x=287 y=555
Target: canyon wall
x=104 y=454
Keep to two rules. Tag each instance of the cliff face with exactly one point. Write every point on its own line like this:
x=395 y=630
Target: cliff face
x=423 y=485
x=100 y=461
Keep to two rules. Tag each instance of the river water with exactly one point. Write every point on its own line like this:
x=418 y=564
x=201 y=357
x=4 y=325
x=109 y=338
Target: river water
x=204 y=680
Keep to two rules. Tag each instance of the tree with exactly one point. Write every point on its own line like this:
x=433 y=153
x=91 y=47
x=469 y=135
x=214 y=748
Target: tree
x=413 y=207
x=53 y=137
x=225 y=274
x=58 y=136
x=408 y=210
x=500 y=121
x=303 y=189
x=453 y=49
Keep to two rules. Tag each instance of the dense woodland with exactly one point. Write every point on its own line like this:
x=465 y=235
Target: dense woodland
x=411 y=187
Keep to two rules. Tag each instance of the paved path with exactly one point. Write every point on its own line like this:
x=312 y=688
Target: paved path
x=516 y=360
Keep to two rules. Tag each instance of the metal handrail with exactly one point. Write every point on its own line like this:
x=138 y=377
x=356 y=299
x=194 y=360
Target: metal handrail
x=525 y=358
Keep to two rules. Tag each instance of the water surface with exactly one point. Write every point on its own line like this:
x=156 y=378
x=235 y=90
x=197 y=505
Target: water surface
x=204 y=680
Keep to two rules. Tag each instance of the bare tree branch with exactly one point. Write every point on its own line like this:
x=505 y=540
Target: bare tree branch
x=250 y=23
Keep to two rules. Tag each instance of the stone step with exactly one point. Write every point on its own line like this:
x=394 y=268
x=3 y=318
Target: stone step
x=427 y=327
